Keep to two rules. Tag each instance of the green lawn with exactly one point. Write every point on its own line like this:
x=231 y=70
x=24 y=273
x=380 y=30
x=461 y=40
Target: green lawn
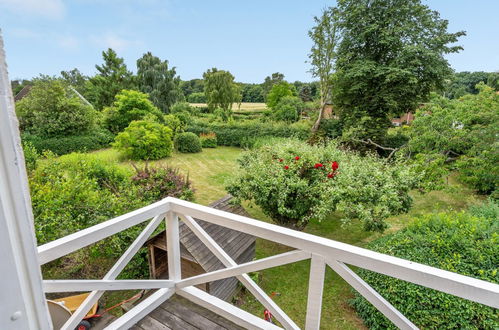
x=210 y=169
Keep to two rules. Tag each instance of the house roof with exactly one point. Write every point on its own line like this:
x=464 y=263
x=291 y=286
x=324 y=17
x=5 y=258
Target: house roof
x=22 y=93
x=234 y=243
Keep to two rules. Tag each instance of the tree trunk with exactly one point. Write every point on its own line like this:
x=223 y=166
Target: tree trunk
x=317 y=124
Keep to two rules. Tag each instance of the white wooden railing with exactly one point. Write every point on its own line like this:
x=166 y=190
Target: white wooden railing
x=322 y=252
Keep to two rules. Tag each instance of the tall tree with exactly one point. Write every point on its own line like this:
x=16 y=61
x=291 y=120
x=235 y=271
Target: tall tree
x=162 y=84
x=325 y=36
x=391 y=56
x=270 y=81
x=76 y=79
x=220 y=89
x=112 y=77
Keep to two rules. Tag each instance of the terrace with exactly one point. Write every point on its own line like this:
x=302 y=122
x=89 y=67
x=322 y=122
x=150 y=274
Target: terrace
x=23 y=289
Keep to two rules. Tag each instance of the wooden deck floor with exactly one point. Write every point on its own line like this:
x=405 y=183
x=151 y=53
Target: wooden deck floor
x=179 y=313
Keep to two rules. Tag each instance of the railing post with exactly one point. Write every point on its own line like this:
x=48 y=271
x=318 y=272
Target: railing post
x=173 y=246
x=315 y=289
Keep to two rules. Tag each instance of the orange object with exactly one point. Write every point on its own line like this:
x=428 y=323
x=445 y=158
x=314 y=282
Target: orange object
x=73 y=302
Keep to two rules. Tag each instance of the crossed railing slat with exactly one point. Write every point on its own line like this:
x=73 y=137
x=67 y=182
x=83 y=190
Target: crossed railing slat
x=321 y=251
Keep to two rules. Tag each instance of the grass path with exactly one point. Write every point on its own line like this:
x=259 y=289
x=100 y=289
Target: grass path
x=210 y=170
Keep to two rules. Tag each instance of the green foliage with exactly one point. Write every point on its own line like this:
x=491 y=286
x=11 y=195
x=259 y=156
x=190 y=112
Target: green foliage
x=183 y=107
x=208 y=140
x=293 y=182
x=113 y=76
x=50 y=110
x=288 y=109
x=76 y=79
x=188 y=142
x=158 y=81
x=458 y=242
x=325 y=35
x=157 y=183
x=128 y=106
x=270 y=81
x=31 y=155
x=279 y=91
x=238 y=133
x=462 y=83
x=174 y=123
x=145 y=140
x=192 y=86
x=223 y=114
x=465 y=129
x=252 y=93
x=220 y=89
x=76 y=191
x=198 y=97
x=88 y=141
x=391 y=56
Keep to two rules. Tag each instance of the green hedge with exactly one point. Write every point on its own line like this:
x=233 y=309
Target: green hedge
x=188 y=142
x=237 y=134
x=91 y=140
x=465 y=243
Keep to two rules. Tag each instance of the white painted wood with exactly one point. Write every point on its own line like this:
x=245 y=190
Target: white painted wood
x=250 y=285
x=371 y=295
x=223 y=308
x=85 y=237
x=94 y=296
x=141 y=310
x=22 y=302
x=462 y=286
x=173 y=246
x=315 y=290
x=248 y=267
x=104 y=285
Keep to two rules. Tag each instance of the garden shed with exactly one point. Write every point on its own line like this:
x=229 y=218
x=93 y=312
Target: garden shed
x=197 y=259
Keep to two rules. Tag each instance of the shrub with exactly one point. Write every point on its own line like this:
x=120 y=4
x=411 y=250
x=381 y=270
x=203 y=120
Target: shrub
x=145 y=140
x=49 y=110
x=464 y=130
x=223 y=114
x=31 y=156
x=197 y=98
x=91 y=140
x=457 y=242
x=157 y=183
x=288 y=109
x=76 y=191
x=208 y=140
x=279 y=91
x=183 y=107
x=237 y=133
x=188 y=142
x=294 y=182
x=173 y=122
x=128 y=106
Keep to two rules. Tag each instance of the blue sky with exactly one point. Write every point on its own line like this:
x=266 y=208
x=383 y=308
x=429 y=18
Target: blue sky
x=250 y=38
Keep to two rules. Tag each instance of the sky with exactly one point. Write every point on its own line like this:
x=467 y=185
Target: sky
x=250 y=38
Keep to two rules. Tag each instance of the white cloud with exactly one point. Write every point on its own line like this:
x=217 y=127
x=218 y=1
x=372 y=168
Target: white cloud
x=112 y=40
x=53 y=9
x=68 y=42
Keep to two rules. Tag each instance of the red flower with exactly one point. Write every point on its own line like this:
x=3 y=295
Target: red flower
x=317 y=165
x=297 y=158
x=286 y=167
x=281 y=160
x=331 y=175
x=335 y=166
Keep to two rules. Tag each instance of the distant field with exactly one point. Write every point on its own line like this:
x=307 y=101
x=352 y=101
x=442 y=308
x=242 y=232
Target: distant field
x=245 y=106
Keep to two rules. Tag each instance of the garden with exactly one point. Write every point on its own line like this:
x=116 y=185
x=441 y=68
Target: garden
x=426 y=191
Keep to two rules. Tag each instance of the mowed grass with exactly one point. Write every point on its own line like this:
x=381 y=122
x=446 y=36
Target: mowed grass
x=209 y=172
x=245 y=106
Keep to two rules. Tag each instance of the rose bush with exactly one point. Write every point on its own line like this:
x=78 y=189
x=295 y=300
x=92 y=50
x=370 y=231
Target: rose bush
x=294 y=182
